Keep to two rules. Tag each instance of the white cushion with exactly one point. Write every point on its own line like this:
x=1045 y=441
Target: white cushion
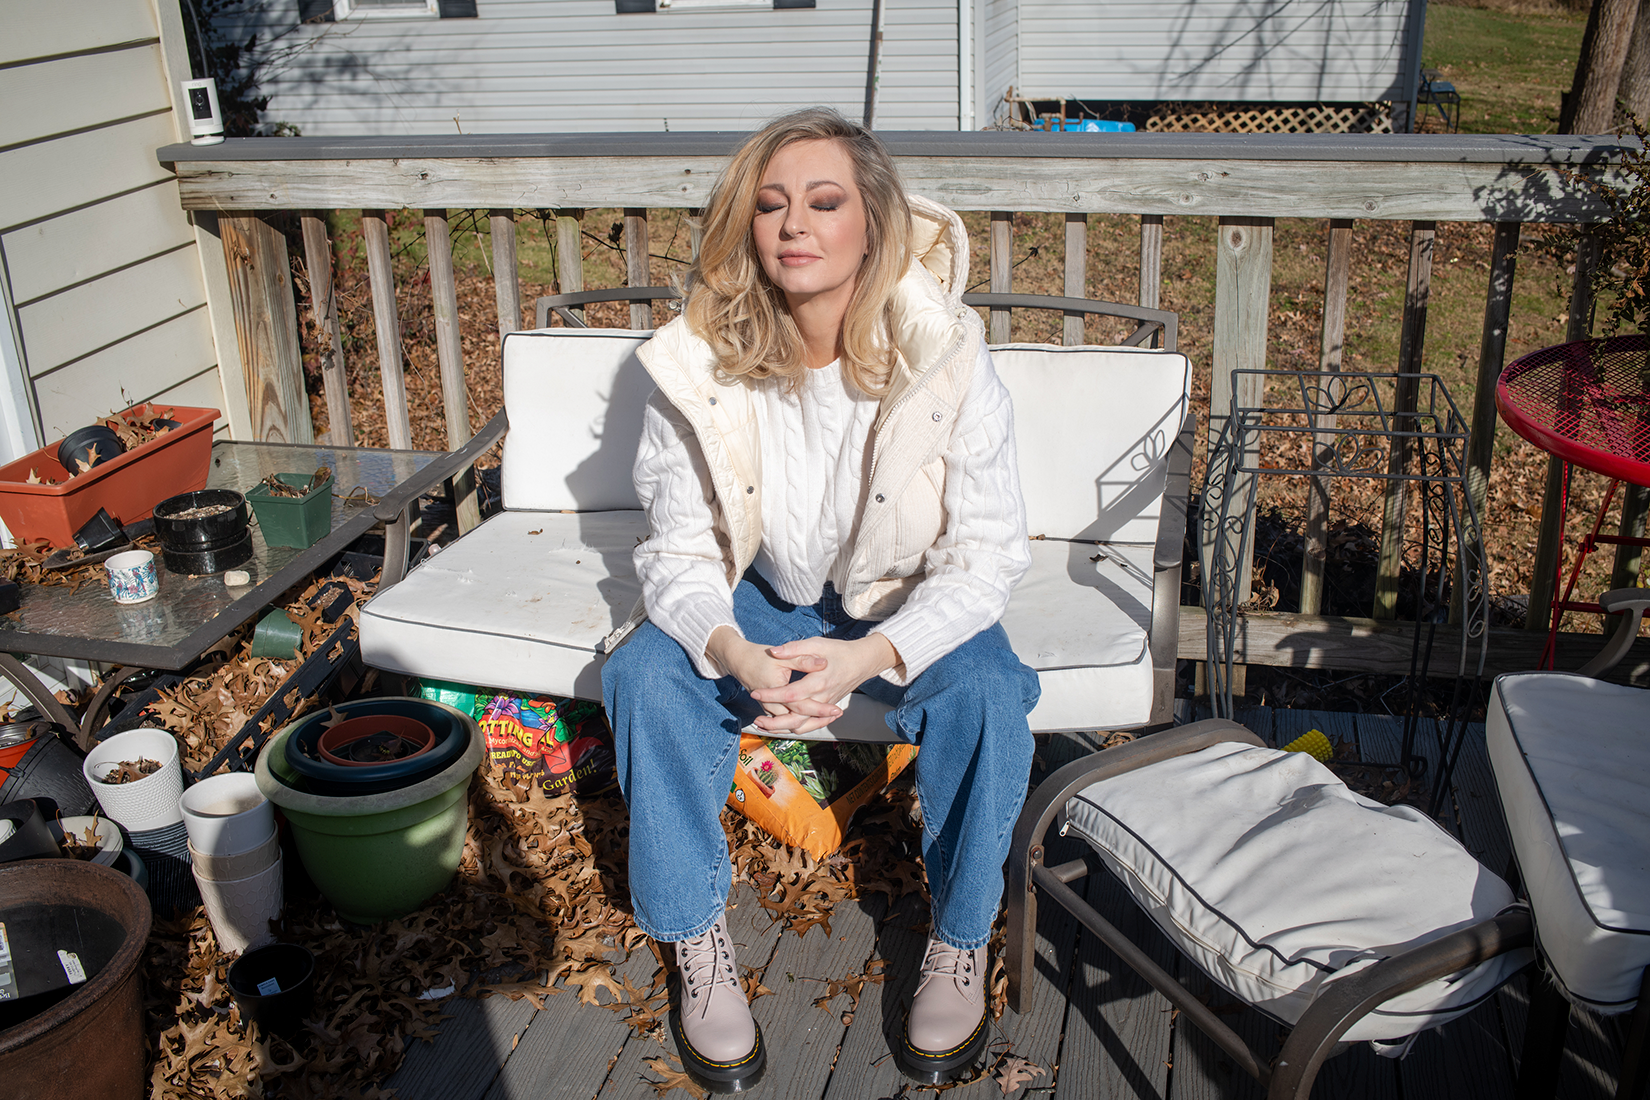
x=1092 y=466
x=523 y=601
x=1571 y=757
x=1274 y=878
x=1093 y=426
x=575 y=398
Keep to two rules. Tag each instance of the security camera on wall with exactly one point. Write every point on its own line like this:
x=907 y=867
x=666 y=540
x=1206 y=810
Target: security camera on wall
x=205 y=120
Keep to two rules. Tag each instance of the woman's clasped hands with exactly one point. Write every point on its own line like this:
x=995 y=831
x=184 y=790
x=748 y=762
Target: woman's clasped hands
x=831 y=668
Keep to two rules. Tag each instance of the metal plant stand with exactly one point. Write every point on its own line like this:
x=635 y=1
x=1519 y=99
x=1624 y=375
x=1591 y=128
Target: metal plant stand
x=1403 y=430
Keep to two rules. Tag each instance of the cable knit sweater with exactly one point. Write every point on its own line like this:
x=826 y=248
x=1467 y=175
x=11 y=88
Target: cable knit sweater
x=910 y=505
x=814 y=449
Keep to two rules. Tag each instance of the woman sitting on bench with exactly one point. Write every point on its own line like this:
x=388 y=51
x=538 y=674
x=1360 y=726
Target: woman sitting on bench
x=828 y=471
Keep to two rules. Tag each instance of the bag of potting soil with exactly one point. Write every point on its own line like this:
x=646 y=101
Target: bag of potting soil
x=804 y=792
x=561 y=744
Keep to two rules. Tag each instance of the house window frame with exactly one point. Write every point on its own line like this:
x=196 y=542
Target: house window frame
x=688 y=7
x=410 y=9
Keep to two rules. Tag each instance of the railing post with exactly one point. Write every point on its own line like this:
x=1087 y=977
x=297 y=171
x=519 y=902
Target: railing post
x=696 y=231
x=1492 y=354
x=1077 y=255
x=449 y=354
x=1151 y=259
x=1002 y=270
x=1411 y=345
x=375 y=232
x=266 y=328
x=506 y=283
x=636 y=263
x=323 y=304
x=570 y=255
x=1548 y=537
x=1337 y=273
x=449 y=349
x=1243 y=289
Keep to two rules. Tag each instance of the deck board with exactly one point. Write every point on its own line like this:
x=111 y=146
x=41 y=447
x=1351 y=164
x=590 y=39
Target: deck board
x=473 y=1043
x=1118 y=1028
x=803 y=1040
x=569 y=1046
x=864 y=1067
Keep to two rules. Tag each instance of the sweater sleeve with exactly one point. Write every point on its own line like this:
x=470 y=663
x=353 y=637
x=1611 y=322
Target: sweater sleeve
x=982 y=553
x=681 y=563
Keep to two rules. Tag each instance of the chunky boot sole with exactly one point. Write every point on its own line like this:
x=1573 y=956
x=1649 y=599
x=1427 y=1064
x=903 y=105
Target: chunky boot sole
x=721 y=1077
x=930 y=1067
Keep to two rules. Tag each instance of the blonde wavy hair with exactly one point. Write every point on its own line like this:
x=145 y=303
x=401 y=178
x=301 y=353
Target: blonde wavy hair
x=734 y=307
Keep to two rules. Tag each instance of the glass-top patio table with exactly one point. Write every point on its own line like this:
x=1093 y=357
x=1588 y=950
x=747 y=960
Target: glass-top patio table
x=192 y=613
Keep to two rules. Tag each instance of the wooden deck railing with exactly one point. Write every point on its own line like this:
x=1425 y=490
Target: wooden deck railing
x=1247 y=181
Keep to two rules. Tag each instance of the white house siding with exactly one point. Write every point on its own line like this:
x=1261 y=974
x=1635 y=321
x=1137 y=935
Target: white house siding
x=1002 y=57
x=575 y=65
x=101 y=263
x=1221 y=50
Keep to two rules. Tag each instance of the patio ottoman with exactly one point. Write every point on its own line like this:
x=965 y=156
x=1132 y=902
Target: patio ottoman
x=1275 y=878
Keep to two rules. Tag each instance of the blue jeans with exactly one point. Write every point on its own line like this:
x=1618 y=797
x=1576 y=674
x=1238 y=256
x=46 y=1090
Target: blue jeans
x=677 y=740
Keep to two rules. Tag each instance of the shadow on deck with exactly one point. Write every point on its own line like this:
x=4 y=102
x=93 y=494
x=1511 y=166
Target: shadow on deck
x=1094 y=1027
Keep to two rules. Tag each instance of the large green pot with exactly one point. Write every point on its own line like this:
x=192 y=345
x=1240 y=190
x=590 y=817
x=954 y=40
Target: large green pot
x=377 y=856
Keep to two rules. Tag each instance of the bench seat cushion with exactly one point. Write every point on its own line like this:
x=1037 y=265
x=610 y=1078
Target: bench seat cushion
x=1571 y=757
x=523 y=601
x=1274 y=878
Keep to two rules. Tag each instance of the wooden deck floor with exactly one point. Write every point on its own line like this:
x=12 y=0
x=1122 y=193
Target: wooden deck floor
x=1097 y=1030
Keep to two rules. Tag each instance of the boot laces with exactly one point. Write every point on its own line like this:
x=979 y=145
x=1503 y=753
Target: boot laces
x=944 y=961
x=706 y=961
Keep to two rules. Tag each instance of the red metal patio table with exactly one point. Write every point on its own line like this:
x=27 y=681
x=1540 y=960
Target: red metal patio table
x=1588 y=404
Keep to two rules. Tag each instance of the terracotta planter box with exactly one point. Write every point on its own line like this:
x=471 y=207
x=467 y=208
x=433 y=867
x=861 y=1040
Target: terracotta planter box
x=129 y=485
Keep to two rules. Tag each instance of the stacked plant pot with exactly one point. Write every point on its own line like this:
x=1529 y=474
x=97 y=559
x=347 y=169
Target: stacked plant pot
x=204 y=531
x=146 y=806
x=235 y=852
x=374 y=790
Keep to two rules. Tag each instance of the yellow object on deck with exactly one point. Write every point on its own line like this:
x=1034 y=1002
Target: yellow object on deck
x=1314 y=744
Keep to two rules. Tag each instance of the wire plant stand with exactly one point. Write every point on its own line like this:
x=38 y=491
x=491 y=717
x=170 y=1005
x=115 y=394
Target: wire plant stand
x=1403 y=430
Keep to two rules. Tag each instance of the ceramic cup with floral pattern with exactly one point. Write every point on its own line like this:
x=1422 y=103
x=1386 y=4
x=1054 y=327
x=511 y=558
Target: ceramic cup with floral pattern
x=132 y=577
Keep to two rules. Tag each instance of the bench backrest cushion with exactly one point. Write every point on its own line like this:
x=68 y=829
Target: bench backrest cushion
x=575 y=399
x=1093 y=425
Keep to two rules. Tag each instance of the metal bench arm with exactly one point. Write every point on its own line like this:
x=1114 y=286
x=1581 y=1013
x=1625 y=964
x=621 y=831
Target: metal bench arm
x=1167 y=556
x=1630 y=601
x=394 y=510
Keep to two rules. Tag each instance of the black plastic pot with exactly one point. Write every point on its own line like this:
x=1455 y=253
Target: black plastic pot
x=274 y=986
x=93 y=445
x=200 y=563
x=49 y=769
x=215 y=532
x=31 y=839
x=99 y=533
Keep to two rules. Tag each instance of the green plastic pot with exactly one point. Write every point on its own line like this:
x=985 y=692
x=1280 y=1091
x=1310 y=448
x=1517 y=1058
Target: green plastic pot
x=376 y=856
x=293 y=521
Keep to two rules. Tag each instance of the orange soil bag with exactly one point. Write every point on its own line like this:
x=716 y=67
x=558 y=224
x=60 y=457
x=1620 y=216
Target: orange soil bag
x=804 y=792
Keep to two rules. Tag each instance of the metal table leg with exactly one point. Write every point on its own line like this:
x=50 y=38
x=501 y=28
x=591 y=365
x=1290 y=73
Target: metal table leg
x=30 y=684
